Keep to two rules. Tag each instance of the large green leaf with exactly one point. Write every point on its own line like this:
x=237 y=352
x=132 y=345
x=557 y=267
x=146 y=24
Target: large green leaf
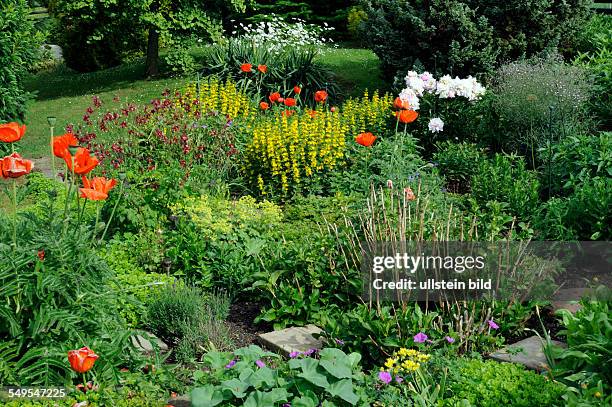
x=206 y=396
x=344 y=389
x=309 y=371
x=336 y=362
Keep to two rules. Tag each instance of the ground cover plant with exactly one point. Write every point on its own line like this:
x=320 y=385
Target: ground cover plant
x=150 y=230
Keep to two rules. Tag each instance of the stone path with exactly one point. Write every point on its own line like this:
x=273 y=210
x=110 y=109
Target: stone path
x=528 y=352
x=295 y=339
x=145 y=346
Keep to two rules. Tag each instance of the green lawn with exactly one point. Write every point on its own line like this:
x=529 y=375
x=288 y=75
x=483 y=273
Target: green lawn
x=66 y=94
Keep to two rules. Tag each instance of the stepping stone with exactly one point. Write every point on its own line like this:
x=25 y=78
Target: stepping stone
x=144 y=345
x=295 y=339
x=567 y=298
x=180 y=401
x=528 y=352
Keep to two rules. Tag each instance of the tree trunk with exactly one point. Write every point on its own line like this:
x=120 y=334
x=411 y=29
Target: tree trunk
x=153 y=53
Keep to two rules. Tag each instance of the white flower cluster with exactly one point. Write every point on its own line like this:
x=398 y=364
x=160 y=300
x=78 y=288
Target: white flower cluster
x=277 y=35
x=446 y=88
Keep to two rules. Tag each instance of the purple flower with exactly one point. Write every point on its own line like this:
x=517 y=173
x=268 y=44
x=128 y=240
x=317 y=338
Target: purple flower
x=385 y=377
x=339 y=342
x=420 y=337
x=399 y=380
x=309 y=352
x=231 y=364
x=259 y=363
x=287 y=405
x=492 y=324
x=294 y=354
x=449 y=339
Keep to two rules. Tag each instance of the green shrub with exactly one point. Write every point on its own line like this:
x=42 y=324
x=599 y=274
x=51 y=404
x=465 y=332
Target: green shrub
x=489 y=384
x=468 y=36
x=505 y=179
x=290 y=67
x=18 y=51
x=596 y=57
x=535 y=103
x=458 y=163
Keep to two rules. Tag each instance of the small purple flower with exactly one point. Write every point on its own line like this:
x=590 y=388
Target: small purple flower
x=309 y=352
x=449 y=339
x=339 y=342
x=231 y=364
x=385 y=377
x=420 y=337
x=492 y=324
x=294 y=354
x=260 y=364
x=399 y=380
x=287 y=405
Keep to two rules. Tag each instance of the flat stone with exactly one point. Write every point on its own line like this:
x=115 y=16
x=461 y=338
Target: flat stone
x=528 y=352
x=143 y=344
x=180 y=401
x=295 y=339
x=567 y=298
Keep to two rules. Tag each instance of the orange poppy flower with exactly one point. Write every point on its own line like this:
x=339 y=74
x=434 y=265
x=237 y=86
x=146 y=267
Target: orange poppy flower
x=274 y=97
x=312 y=113
x=82 y=360
x=11 y=132
x=401 y=104
x=366 y=139
x=410 y=196
x=264 y=106
x=320 y=96
x=288 y=113
x=13 y=166
x=297 y=90
x=97 y=189
x=246 y=68
x=262 y=68
x=83 y=161
x=290 y=102
x=406 y=116
x=61 y=144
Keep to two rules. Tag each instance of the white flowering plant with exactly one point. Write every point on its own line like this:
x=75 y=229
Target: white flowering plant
x=277 y=35
x=442 y=103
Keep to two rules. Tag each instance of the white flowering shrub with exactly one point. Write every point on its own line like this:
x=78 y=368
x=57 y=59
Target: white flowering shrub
x=278 y=35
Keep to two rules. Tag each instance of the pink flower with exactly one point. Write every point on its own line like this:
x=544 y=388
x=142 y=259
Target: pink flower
x=399 y=380
x=385 y=377
x=260 y=364
x=231 y=364
x=294 y=354
x=449 y=339
x=492 y=324
x=420 y=337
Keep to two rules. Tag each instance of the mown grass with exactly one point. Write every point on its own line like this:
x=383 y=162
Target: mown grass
x=65 y=94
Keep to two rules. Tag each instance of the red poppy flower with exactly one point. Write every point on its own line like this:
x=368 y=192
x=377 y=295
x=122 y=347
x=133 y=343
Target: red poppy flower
x=13 y=166
x=83 y=161
x=288 y=113
x=82 y=360
x=61 y=144
x=297 y=90
x=264 y=106
x=320 y=96
x=406 y=116
x=274 y=97
x=41 y=255
x=97 y=189
x=366 y=139
x=401 y=104
x=11 y=132
x=312 y=113
x=246 y=68
x=290 y=102
x=262 y=68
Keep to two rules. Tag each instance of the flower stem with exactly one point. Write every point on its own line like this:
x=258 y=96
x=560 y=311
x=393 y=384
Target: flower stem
x=51 y=130
x=14 y=215
x=108 y=222
x=93 y=238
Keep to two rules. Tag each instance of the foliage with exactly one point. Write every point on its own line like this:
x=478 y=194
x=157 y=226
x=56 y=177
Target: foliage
x=537 y=102
x=253 y=377
x=18 y=52
x=458 y=163
x=44 y=317
x=575 y=160
x=469 y=36
x=287 y=68
x=586 y=360
x=596 y=58
x=488 y=383
x=506 y=180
